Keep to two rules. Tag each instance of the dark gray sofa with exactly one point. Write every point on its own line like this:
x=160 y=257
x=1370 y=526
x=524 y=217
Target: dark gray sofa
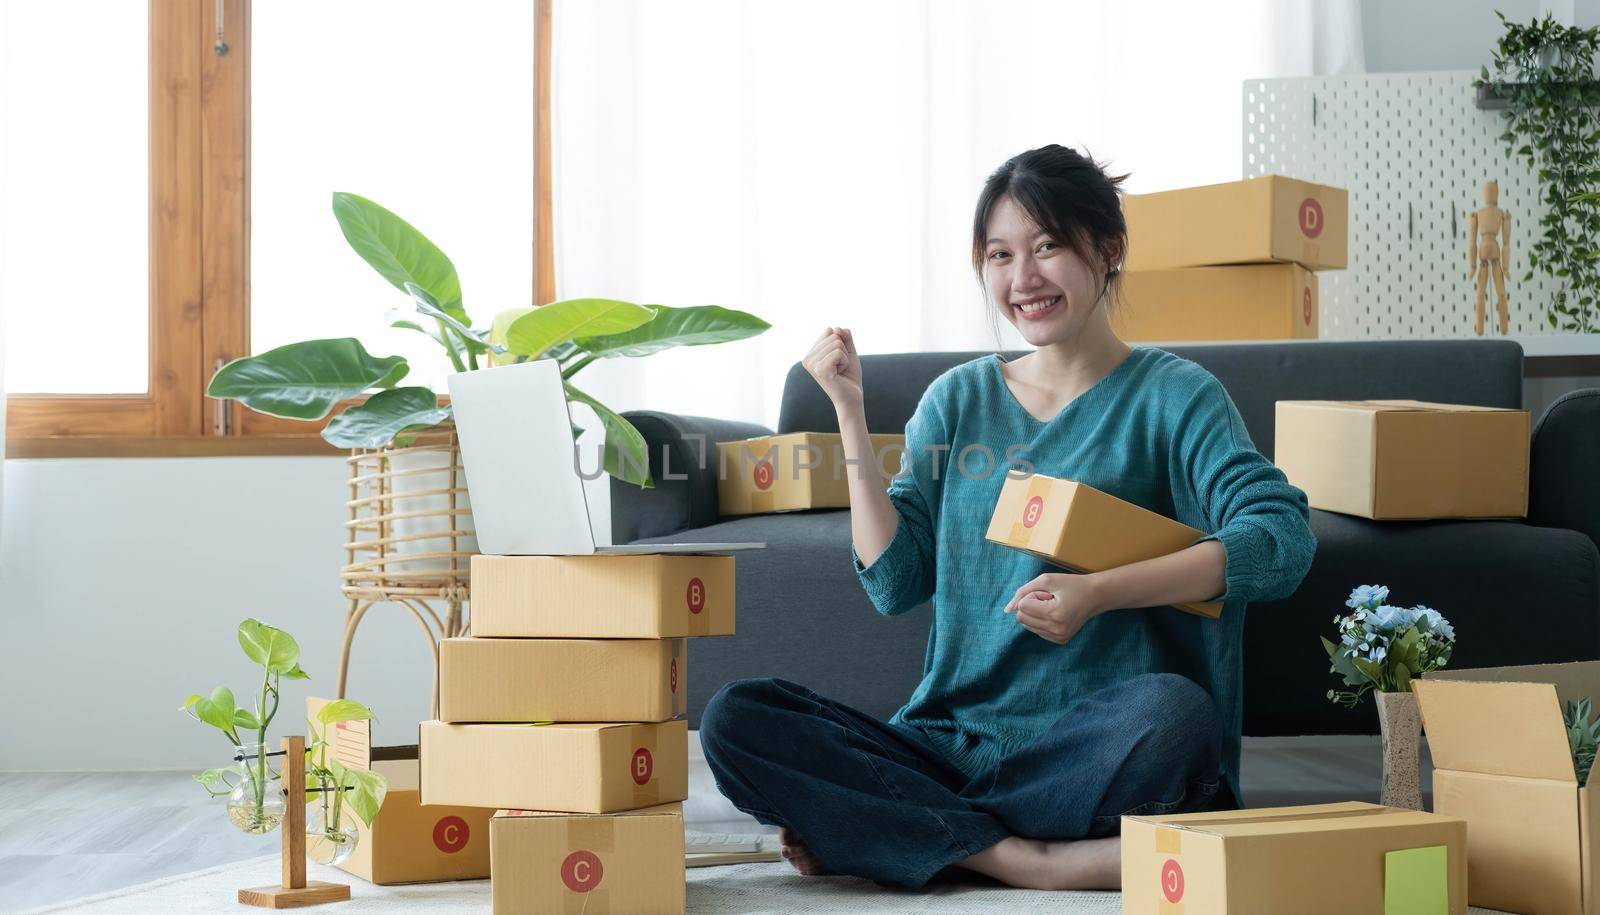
x=1518 y=593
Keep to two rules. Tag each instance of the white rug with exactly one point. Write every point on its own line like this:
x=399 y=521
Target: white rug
x=750 y=889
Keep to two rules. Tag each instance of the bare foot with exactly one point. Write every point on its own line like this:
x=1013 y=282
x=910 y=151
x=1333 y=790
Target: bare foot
x=798 y=855
x=1087 y=864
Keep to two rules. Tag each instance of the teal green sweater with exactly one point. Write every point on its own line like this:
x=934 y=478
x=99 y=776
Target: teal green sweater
x=1159 y=431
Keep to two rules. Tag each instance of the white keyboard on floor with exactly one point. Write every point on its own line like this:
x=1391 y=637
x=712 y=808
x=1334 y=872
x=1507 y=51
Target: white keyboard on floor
x=711 y=843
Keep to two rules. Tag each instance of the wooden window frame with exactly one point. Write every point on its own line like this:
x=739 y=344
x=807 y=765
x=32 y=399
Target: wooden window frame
x=199 y=294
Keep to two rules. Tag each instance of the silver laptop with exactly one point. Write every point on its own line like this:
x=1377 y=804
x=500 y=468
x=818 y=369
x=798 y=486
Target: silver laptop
x=516 y=445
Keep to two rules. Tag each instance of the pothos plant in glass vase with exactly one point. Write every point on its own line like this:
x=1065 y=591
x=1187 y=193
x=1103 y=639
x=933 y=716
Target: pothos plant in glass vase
x=252 y=784
x=307 y=380
x=1381 y=648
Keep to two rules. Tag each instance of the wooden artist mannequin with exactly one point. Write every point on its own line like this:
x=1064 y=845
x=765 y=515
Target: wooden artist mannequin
x=1489 y=256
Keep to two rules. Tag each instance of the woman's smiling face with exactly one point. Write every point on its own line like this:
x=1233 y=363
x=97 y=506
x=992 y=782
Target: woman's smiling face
x=1042 y=286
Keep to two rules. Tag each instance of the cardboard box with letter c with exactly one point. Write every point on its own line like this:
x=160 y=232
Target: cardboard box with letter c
x=1081 y=529
x=794 y=471
x=618 y=864
x=407 y=842
x=1326 y=859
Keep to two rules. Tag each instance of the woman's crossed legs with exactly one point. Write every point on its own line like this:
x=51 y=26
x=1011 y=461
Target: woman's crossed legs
x=858 y=796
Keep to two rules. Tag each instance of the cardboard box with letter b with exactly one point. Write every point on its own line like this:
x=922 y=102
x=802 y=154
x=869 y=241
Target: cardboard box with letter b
x=1082 y=529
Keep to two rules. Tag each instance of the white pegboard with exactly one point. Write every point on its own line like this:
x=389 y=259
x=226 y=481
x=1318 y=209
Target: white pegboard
x=1413 y=151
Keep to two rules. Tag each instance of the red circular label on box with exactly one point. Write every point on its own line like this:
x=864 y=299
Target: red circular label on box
x=642 y=766
x=1305 y=305
x=696 y=595
x=1032 y=511
x=763 y=475
x=581 y=871
x=1310 y=218
x=672 y=675
x=1172 y=880
x=450 y=834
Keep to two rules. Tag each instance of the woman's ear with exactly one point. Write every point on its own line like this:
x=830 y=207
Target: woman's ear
x=1113 y=254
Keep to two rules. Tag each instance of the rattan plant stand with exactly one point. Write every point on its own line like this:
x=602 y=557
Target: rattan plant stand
x=410 y=539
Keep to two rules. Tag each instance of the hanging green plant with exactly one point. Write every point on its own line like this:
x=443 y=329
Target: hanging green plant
x=1544 y=71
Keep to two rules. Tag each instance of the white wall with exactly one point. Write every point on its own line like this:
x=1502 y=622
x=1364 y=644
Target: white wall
x=121 y=583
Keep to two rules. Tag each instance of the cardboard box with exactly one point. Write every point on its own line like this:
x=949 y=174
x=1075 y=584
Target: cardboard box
x=1082 y=529
x=793 y=472
x=520 y=680
x=622 y=864
x=652 y=596
x=1244 y=302
x=1501 y=762
x=407 y=842
x=1271 y=218
x=1393 y=459
x=574 y=768
x=1327 y=859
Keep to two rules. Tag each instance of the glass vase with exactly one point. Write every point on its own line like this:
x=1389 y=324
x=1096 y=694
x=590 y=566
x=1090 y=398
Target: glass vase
x=1401 y=727
x=330 y=835
x=256 y=803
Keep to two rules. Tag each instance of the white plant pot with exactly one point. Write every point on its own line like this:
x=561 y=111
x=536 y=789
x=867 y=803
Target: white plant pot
x=425 y=482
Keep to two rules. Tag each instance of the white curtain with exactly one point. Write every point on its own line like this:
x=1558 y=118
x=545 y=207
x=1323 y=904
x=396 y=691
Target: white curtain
x=818 y=163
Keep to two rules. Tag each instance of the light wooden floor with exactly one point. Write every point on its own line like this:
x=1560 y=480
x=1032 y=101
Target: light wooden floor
x=66 y=835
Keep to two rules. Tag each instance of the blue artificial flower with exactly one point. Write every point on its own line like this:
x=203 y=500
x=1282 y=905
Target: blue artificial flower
x=1379 y=652
x=1435 y=621
x=1389 y=619
x=1368 y=596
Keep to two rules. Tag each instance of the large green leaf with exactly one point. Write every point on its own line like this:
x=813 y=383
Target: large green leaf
x=626 y=456
x=269 y=646
x=304 y=380
x=697 y=325
x=385 y=415
x=475 y=340
x=398 y=252
x=558 y=322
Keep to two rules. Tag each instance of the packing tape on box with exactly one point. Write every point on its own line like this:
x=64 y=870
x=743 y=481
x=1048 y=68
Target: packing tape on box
x=1169 y=841
x=596 y=835
x=1021 y=533
x=643 y=737
x=677 y=681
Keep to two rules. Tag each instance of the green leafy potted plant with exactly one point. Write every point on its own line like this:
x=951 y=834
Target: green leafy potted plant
x=1543 y=72
x=1382 y=648
x=306 y=380
x=255 y=800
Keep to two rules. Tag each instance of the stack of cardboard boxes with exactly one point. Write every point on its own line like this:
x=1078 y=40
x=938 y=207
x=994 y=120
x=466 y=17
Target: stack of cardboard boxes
x=1230 y=261
x=564 y=712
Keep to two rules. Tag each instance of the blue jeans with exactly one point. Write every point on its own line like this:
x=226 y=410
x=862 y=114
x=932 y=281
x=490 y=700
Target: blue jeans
x=877 y=800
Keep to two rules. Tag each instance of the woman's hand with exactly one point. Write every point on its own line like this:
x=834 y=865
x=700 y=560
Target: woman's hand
x=837 y=368
x=1055 y=605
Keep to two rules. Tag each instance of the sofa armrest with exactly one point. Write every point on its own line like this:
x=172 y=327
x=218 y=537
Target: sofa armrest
x=683 y=464
x=1564 y=465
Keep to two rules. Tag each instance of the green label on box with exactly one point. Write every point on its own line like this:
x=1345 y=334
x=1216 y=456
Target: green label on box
x=1416 y=881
